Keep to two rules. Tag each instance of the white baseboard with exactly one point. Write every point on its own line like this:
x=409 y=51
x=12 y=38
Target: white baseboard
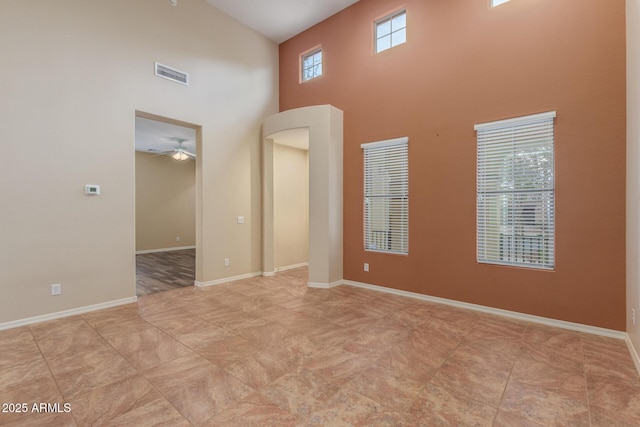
x=497 y=311
x=319 y=285
x=227 y=279
x=66 y=313
x=268 y=273
x=153 y=251
x=291 y=267
x=633 y=352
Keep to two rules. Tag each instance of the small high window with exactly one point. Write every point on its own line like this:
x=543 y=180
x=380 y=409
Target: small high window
x=391 y=31
x=311 y=64
x=495 y=3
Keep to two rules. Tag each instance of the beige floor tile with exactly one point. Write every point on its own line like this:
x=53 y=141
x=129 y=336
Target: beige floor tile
x=34 y=389
x=345 y=408
x=387 y=387
x=259 y=368
x=17 y=348
x=439 y=406
x=202 y=338
x=613 y=396
x=43 y=419
x=87 y=370
x=179 y=373
x=546 y=374
x=506 y=419
x=390 y=419
x=301 y=392
x=253 y=411
x=147 y=348
x=271 y=351
x=475 y=373
x=546 y=406
x=208 y=395
x=131 y=401
x=225 y=352
x=176 y=321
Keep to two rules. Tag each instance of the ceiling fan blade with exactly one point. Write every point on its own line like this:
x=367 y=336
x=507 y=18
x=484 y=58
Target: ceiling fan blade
x=165 y=153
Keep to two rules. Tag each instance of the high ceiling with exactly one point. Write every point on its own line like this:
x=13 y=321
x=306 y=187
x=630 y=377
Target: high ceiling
x=279 y=20
x=155 y=137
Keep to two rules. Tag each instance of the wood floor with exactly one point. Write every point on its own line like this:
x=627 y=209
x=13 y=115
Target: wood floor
x=269 y=351
x=163 y=271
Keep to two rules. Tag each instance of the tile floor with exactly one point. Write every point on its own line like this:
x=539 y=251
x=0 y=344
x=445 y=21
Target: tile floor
x=271 y=352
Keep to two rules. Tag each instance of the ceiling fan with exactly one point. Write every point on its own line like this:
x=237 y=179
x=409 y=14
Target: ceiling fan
x=179 y=153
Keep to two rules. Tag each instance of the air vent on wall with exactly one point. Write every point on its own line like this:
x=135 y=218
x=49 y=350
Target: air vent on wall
x=172 y=74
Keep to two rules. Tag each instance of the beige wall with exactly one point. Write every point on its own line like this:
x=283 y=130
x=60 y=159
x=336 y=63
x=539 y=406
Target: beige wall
x=75 y=72
x=165 y=202
x=291 y=205
x=633 y=170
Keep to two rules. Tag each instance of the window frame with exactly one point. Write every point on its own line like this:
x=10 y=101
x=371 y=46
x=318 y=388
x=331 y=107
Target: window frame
x=310 y=53
x=392 y=158
x=515 y=204
x=389 y=17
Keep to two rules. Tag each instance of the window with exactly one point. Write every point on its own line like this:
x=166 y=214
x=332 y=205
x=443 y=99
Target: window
x=495 y=3
x=386 y=196
x=311 y=64
x=391 y=31
x=516 y=192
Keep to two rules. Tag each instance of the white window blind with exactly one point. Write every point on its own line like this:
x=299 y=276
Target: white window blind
x=386 y=196
x=516 y=192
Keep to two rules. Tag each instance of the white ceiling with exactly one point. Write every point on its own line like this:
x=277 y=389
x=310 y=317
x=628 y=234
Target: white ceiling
x=154 y=136
x=279 y=20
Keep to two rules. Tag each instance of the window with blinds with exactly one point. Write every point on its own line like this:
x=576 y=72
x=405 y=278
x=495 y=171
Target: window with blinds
x=515 y=192
x=386 y=196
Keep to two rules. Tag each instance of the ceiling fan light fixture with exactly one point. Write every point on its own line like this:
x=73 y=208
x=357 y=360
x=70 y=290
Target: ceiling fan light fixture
x=180 y=156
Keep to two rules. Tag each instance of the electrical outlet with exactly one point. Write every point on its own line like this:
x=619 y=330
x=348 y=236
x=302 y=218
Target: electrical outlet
x=366 y=266
x=56 y=289
x=633 y=316
x=226 y=262
x=177 y=238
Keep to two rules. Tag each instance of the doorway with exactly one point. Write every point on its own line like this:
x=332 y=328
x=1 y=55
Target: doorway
x=325 y=127
x=166 y=197
x=290 y=199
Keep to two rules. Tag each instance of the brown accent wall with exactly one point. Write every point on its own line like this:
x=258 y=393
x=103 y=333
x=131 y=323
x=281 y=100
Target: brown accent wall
x=466 y=63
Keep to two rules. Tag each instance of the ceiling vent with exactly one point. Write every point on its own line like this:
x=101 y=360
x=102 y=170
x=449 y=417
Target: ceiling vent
x=172 y=74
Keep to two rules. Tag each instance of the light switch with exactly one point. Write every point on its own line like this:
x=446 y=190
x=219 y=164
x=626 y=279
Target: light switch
x=240 y=220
